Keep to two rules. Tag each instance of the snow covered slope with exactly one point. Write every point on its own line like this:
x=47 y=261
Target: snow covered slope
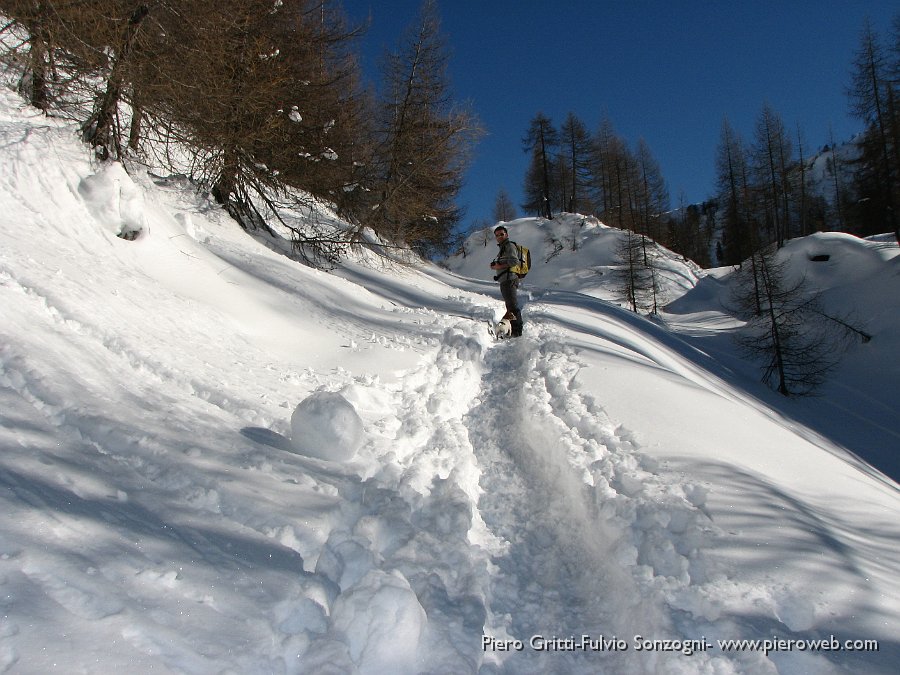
x=570 y=252
x=599 y=477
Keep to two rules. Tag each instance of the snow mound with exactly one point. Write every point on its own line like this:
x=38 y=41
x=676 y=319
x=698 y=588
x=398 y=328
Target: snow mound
x=326 y=425
x=115 y=200
x=382 y=621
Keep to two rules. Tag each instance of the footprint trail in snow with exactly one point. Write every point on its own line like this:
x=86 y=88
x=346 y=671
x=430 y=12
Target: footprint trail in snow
x=562 y=492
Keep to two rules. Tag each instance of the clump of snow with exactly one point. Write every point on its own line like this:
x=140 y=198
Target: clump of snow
x=114 y=199
x=382 y=621
x=326 y=425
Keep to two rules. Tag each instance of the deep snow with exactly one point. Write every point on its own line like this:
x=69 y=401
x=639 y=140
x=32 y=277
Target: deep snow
x=605 y=475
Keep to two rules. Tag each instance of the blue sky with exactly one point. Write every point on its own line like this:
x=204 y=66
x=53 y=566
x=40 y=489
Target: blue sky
x=666 y=71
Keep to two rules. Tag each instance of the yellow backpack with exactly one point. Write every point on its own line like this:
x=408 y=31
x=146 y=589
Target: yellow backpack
x=524 y=265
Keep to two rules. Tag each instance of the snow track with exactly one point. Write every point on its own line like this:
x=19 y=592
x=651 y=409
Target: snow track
x=492 y=498
x=582 y=531
x=506 y=506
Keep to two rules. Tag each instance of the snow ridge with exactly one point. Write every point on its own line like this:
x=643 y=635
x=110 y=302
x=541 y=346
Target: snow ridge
x=407 y=528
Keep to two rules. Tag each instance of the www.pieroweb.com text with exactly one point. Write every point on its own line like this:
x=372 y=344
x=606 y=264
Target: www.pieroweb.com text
x=686 y=647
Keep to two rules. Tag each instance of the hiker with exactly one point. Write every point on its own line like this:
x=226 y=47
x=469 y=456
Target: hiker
x=507 y=258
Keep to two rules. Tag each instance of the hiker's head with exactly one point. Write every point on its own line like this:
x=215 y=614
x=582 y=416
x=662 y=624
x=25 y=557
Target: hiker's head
x=500 y=233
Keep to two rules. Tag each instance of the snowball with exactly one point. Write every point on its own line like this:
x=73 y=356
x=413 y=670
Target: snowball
x=327 y=426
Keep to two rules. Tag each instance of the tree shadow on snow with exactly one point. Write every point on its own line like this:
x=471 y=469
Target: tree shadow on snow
x=173 y=532
x=838 y=546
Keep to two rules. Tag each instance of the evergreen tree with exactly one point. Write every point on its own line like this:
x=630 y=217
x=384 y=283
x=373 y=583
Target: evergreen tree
x=835 y=169
x=873 y=100
x=638 y=273
x=805 y=218
x=616 y=176
x=733 y=196
x=605 y=146
x=575 y=154
x=772 y=157
x=686 y=233
x=504 y=209
x=651 y=194
x=425 y=142
x=786 y=329
x=540 y=140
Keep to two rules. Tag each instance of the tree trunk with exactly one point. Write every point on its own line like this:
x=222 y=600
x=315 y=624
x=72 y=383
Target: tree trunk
x=98 y=130
x=548 y=213
x=37 y=57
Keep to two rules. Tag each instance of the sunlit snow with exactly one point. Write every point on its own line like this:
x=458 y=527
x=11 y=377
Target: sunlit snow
x=216 y=459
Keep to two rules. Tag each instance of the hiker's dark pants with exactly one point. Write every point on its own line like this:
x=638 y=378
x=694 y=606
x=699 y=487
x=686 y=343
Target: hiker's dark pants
x=509 y=286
